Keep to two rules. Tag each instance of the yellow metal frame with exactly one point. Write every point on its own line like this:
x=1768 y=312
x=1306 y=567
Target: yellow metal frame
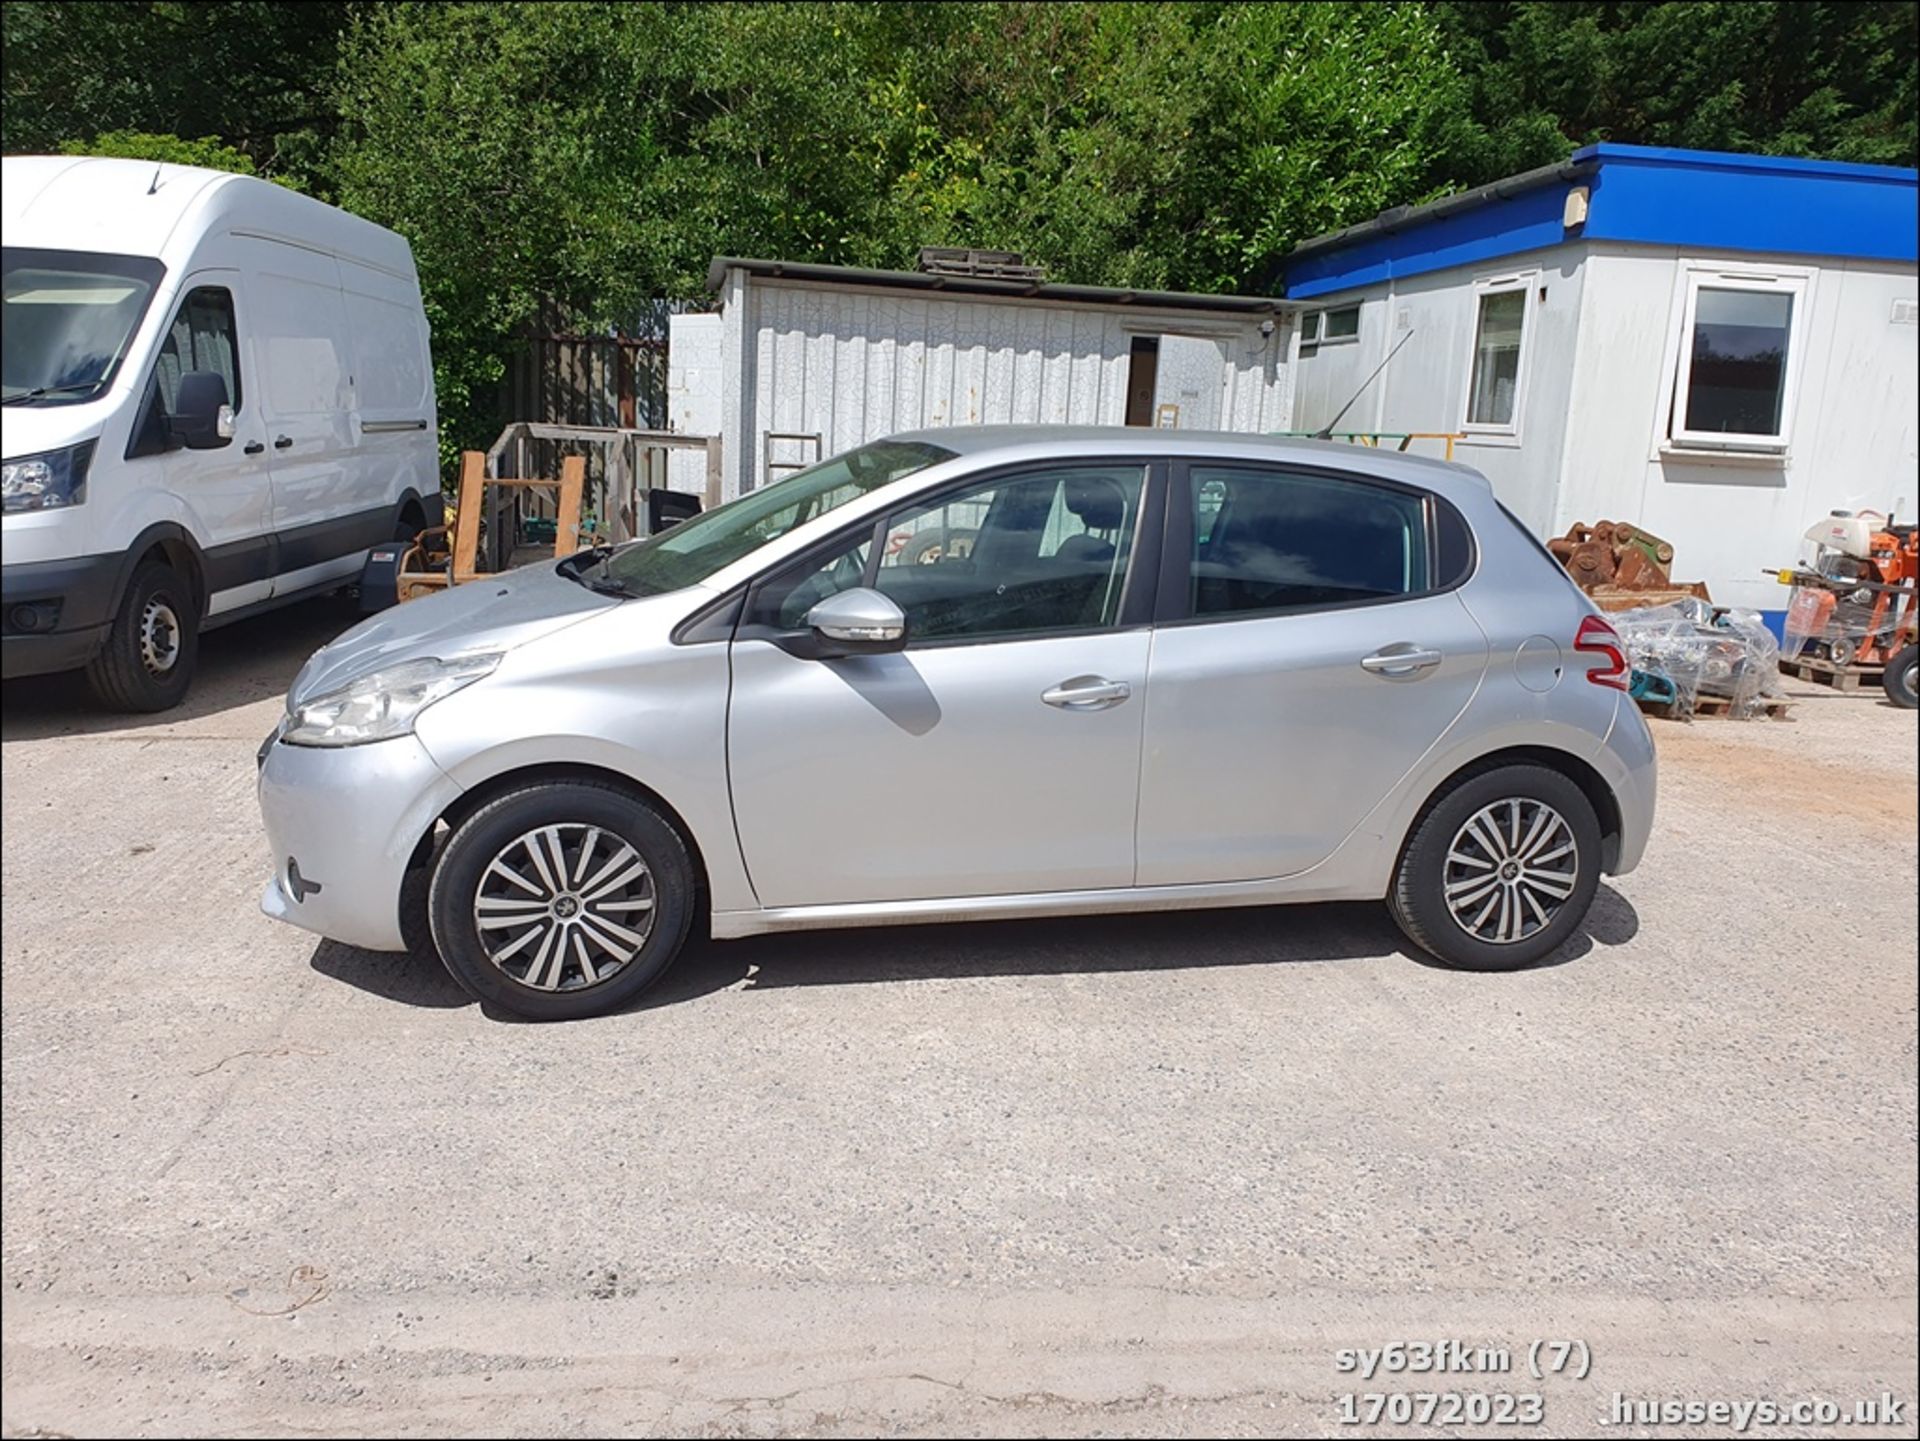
x=1374 y=437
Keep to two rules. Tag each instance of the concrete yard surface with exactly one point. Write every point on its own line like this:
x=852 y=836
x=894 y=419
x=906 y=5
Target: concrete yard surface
x=1139 y=1174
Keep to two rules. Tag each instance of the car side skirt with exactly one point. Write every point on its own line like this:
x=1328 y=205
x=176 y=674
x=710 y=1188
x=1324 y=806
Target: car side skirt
x=1305 y=887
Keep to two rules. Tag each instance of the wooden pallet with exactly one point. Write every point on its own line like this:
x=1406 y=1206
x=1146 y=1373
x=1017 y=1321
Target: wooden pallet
x=1825 y=672
x=1720 y=707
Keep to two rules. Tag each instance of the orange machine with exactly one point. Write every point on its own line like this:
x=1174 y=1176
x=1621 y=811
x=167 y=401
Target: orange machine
x=1853 y=608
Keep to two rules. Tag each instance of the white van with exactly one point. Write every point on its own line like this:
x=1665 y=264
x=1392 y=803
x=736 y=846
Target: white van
x=215 y=396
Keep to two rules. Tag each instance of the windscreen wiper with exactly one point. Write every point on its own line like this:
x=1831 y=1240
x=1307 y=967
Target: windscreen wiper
x=39 y=391
x=576 y=567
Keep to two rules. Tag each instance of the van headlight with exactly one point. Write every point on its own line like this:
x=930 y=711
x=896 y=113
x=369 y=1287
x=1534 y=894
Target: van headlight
x=46 y=481
x=383 y=703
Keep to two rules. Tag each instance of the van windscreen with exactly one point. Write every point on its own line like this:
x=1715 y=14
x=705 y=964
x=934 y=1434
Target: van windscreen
x=69 y=316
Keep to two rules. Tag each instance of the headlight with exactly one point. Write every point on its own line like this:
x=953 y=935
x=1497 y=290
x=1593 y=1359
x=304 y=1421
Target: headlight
x=46 y=481
x=383 y=704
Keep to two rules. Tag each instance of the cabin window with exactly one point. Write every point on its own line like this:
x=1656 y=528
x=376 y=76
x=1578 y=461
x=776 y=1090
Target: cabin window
x=1329 y=327
x=1496 y=368
x=1739 y=337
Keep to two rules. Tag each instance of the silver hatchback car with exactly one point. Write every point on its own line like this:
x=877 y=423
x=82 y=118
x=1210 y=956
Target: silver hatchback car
x=972 y=673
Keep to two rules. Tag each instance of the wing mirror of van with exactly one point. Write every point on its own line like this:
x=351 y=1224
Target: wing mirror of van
x=856 y=622
x=201 y=419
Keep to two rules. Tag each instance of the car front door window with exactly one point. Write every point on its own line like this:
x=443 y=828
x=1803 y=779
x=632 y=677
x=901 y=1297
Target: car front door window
x=1037 y=553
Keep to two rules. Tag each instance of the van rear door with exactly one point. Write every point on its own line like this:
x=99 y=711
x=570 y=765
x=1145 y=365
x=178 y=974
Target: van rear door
x=326 y=513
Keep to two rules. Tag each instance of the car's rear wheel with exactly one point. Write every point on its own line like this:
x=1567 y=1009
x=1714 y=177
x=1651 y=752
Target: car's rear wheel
x=561 y=900
x=1500 y=870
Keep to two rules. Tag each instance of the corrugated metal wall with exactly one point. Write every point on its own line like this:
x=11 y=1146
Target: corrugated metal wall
x=852 y=365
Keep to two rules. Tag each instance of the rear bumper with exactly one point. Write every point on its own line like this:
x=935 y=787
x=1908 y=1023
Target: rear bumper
x=344 y=823
x=79 y=590
x=1628 y=764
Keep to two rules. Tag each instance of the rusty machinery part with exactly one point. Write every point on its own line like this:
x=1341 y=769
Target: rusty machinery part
x=1615 y=555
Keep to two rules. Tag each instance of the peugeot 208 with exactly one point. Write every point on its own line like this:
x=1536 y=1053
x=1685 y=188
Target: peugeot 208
x=1146 y=669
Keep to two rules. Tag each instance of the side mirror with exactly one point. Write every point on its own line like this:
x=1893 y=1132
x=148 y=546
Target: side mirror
x=856 y=622
x=201 y=418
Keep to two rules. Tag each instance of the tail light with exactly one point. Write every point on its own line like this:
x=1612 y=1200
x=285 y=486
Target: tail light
x=1596 y=637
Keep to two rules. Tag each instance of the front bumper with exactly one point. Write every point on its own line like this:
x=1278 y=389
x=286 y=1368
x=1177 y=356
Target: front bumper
x=344 y=824
x=83 y=589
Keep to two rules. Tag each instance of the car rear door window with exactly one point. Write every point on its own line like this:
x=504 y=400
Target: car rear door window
x=1268 y=540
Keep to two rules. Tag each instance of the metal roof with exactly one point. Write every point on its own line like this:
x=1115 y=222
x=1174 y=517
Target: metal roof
x=984 y=285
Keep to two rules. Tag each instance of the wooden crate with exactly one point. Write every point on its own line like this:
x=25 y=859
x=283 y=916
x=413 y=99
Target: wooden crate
x=1612 y=599
x=1720 y=707
x=1825 y=672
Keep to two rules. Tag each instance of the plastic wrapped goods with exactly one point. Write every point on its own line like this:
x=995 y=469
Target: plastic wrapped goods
x=1688 y=649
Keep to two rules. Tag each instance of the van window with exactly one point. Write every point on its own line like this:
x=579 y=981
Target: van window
x=201 y=337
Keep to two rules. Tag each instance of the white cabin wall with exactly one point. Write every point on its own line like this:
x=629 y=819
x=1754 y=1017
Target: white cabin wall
x=695 y=392
x=1424 y=388
x=1853 y=435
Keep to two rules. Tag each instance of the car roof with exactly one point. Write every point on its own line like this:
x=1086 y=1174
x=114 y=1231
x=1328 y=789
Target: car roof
x=1021 y=442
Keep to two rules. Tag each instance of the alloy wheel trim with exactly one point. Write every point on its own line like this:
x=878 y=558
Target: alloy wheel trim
x=1509 y=870
x=564 y=906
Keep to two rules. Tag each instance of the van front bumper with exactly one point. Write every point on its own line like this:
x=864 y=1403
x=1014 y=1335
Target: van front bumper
x=344 y=824
x=54 y=614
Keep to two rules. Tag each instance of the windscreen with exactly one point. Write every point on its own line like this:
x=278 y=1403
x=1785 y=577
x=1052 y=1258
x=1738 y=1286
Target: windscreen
x=694 y=549
x=68 y=318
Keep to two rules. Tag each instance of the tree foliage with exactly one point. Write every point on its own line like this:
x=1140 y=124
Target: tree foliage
x=596 y=154
x=209 y=151
x=260 y=76
x=1781 y=77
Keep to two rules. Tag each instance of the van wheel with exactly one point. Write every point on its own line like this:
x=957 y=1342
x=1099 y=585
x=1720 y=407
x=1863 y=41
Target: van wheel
x=561 y=900
x=148 y=660
x=1500 y=870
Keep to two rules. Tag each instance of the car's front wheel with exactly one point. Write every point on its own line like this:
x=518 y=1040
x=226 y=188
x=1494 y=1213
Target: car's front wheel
x=1500 y=870
x=561 y=900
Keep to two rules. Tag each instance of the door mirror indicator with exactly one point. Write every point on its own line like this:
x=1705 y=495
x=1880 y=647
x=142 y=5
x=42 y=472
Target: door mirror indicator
x=856 y=622
x=201 y=418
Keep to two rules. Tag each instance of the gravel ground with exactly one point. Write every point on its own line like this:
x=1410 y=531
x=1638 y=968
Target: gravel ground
x=1143 y=1173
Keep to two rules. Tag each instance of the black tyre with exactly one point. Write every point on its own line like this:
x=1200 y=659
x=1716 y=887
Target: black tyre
x=1899 y=678
x=1500 y=870
x=561 y=900
x=152 y=646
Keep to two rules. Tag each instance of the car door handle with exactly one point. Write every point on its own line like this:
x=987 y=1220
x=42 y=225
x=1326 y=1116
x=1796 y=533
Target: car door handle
x=1401 y=659
x=252 y=447
x=281 y=442
x=1087 y=692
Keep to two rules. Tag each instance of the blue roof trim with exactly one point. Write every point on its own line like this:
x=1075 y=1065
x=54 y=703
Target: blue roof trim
x=1735 y=160
x=1529 y=221
x=1692 y=199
